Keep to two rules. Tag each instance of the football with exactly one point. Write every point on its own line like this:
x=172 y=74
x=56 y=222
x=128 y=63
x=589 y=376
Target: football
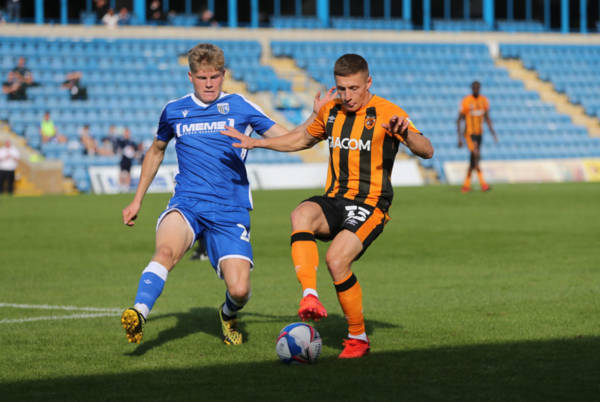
x=298 y=343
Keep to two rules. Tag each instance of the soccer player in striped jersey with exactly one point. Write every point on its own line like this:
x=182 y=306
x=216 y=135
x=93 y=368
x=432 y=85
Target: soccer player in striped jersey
x=212 y=197
x=364 y=132
x=474 y=109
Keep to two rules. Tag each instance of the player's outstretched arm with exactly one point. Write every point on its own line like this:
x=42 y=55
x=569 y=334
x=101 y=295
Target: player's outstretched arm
x=295 y=140
x=416 y=142
x=152 y=161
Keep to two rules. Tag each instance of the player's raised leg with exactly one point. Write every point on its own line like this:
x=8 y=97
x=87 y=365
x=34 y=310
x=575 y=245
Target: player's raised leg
x=173 y=239
x=236 y=274
x=308 y=219
x=343 y=250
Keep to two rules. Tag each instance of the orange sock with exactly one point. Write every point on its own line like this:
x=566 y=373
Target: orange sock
x=305 y=256
x=349 y=295
x=467 y=182
x=482 y=182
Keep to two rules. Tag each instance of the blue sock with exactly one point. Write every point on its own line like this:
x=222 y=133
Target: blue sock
x=150 y=287
x=231 y=307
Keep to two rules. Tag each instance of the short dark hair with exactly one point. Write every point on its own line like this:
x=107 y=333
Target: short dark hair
x=350 y=64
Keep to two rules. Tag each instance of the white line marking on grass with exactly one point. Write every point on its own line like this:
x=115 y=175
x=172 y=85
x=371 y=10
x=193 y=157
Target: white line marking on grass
x=58 y=317
x=94 y=312
x=48 y=307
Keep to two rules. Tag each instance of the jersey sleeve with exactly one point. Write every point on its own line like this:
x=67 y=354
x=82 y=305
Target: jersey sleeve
x=402 y=114
x=317 y=127
x=259 y=121
x=164 y=132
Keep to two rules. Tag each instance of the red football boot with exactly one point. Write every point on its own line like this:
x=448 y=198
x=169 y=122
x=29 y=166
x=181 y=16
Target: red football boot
x=311 y=309
x=354 y=348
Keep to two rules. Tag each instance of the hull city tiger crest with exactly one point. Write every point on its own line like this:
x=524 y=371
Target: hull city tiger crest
x=369 y=122
x=223 y=108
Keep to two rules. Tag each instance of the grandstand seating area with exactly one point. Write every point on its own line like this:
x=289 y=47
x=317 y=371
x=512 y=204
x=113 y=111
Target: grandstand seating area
x=428 y=80
x=460 y=25
x=370 y=23
x=520 y=26
x=453 y=25
x=572 y=69
x=128 y=83
x=130 y=80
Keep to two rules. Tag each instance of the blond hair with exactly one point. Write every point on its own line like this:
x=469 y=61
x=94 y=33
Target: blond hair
x=206 y=55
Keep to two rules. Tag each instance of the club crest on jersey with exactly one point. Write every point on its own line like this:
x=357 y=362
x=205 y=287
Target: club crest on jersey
x=185 y=112
x=369 y=122
x=223 y=108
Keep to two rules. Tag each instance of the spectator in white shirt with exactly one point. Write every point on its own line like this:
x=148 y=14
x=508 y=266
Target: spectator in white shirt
x=9 y=159
x=110 y=19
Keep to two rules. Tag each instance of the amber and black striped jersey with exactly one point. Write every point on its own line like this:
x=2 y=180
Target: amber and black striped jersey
x=474 y=109
x=361 y=151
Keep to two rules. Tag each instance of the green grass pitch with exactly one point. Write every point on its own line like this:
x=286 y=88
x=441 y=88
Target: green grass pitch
x=468 y=297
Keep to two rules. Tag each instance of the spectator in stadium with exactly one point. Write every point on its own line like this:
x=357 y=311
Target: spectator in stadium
x=364 y=132
x=129 y=152
x=9 y=160
x=105 y=147
x=90 y=147
x=110 y=19
x=474 y=110
x=18 y=79
x=101 y=8
x=207 y=19
x=23 y=73
x=124 y=16
x=212 y=195
x=72 y=82
x=155 y=13
x=49 y=132
x=13 y=10
x=108 y=143
x=14 y=88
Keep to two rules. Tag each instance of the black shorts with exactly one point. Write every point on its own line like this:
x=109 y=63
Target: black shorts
x=476 y=139
x=125 y=165
x=365 y=221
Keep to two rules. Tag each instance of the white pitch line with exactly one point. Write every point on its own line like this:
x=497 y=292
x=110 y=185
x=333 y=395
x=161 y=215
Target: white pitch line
x=58 y=317
x=48 y=307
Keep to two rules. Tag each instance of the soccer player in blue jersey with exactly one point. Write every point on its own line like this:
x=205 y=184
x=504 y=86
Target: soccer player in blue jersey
x=212 y=196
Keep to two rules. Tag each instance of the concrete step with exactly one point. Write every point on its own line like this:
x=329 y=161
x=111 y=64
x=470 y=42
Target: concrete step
x=548 y=93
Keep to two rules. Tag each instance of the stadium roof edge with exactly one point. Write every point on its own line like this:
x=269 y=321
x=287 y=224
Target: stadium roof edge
x=268 y=34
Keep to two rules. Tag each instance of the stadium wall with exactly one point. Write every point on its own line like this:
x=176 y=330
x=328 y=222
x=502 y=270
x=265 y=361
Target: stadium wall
x=529 y=171
x=105 y=180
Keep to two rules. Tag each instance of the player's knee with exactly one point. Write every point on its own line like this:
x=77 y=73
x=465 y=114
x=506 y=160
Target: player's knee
x=300 y=218
x=336 y=264
x=165 y=255
x=239 y=291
